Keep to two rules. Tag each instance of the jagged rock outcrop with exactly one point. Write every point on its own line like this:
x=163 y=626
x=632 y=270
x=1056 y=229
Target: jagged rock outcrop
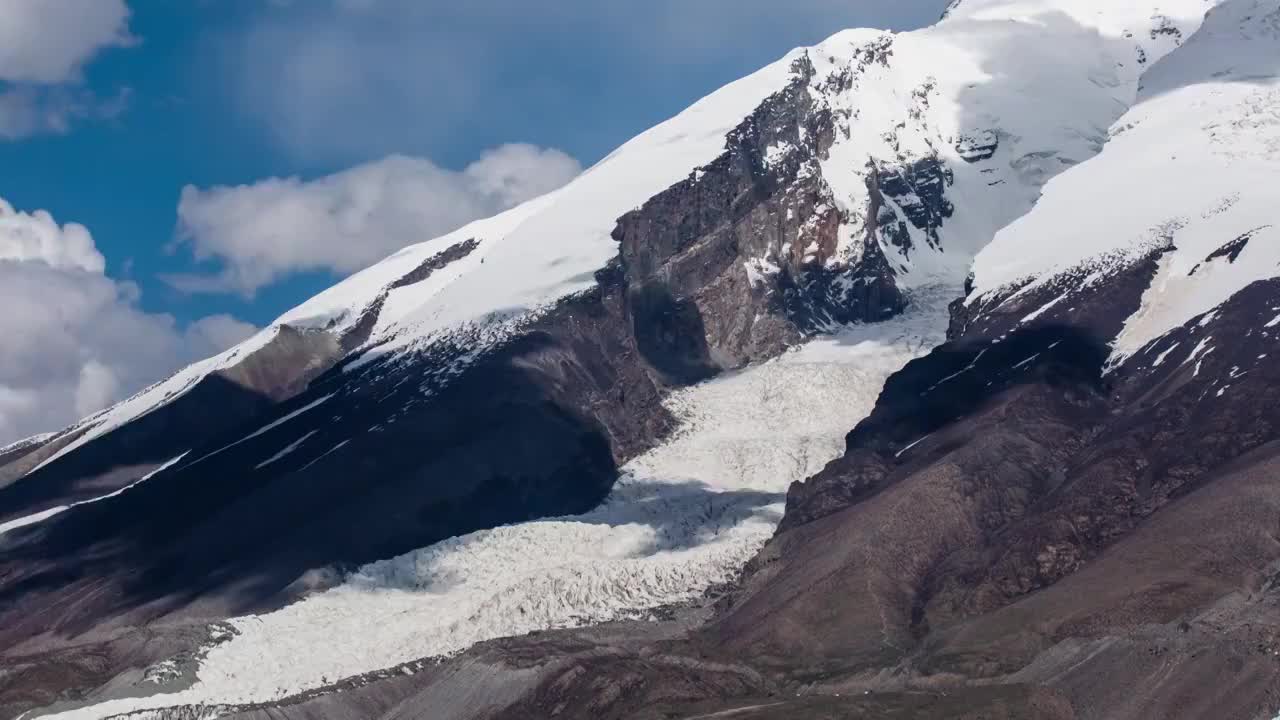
x=752 y=238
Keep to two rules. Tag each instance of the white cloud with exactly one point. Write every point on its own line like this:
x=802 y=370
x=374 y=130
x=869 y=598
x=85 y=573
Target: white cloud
x=212 y=334
x=351 y=219
x=74 y=340
x=44 y=44
x=97 y=387
x=36 y=236
x=508 y=175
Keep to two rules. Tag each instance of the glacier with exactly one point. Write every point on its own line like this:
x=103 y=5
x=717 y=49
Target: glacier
x=683 y=518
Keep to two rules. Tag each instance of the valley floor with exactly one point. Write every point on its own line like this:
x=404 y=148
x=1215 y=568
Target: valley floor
x=683 y=518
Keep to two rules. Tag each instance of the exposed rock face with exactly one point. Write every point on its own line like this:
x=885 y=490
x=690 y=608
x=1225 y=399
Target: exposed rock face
x=919 y=190
x=951 y=8
x=219 y=403
x=978 y=147
x=751 y=240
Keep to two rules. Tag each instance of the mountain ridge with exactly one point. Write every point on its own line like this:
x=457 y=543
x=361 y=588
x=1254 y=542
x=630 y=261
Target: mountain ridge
x=789 y=230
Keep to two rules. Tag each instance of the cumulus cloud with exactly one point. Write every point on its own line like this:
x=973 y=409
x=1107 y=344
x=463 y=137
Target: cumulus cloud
x=346 y=221
x=339 y=82
x=37 y=236
x=212 y=334
x=44 y=44
x=72 y=340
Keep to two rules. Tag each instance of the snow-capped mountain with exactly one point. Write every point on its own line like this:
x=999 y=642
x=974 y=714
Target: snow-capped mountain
x=597 y=408
x=1205 y=133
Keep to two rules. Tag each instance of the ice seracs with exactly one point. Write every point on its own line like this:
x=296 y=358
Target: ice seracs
x=683 y=518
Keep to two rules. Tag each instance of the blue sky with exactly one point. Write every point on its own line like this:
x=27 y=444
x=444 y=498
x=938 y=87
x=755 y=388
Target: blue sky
x=110 y=108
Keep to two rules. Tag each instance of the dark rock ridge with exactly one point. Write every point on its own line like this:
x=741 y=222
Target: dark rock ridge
x=323 y=454
x=951 y=7
x=253 y=386
x=983 y=146
x=358 y=334
x=1230 y=251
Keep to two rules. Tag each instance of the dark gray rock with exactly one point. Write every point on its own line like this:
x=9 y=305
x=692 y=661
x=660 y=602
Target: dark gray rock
x=978 y=147
x=751 y=239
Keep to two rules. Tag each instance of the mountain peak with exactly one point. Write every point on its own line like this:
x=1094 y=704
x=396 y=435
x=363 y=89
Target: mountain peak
x=691 y=435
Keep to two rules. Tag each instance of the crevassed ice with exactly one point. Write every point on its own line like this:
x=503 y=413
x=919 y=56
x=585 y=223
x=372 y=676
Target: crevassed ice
x=683 y=517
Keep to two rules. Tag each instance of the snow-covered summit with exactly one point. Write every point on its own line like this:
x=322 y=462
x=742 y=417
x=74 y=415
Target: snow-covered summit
x=1188 y=176
x=1043 y=79
x=942 y=136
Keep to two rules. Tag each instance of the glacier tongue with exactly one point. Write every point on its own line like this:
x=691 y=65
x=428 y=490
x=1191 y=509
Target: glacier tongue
x=683 y=518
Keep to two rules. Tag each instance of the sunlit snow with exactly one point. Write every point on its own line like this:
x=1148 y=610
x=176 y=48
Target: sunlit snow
x=1190 y=171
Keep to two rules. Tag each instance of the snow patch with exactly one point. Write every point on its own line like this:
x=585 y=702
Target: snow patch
x=267 y=428
x=43 y=515
x=905 y=449
x=1161 y=357
x=286 y=451
x=759 y=270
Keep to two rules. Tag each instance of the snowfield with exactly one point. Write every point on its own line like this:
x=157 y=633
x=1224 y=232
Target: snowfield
x=683 y=518
x=1190 y=172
